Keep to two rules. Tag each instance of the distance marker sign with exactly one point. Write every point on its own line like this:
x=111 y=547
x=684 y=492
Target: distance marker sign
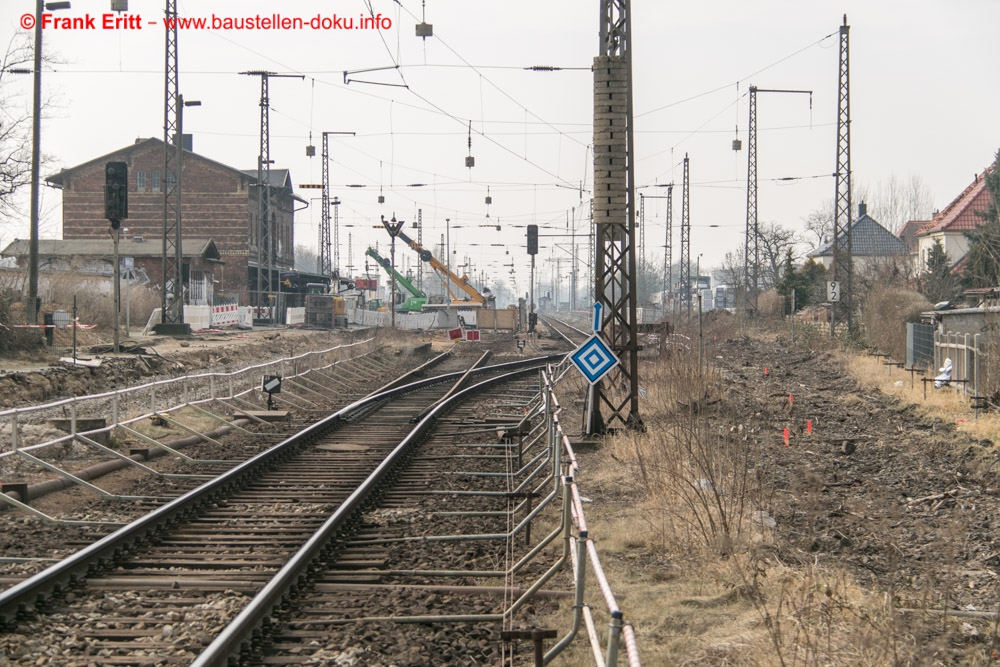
x=594 y=359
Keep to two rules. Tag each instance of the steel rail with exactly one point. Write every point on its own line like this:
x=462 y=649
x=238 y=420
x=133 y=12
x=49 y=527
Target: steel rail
x=33 y=592
x=238 y=637
x=549 y=322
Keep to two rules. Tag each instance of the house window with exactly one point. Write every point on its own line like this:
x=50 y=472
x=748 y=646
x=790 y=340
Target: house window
x=140 y=180
x=156 y=181
x=171 y=180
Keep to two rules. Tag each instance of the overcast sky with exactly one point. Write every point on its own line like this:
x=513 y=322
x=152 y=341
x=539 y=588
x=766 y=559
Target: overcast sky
x=923 y=102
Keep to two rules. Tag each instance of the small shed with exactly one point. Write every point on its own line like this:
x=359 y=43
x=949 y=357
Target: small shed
x=94 y=257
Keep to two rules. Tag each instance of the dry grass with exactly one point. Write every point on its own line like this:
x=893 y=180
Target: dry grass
x=947 y=404
x=683 y=534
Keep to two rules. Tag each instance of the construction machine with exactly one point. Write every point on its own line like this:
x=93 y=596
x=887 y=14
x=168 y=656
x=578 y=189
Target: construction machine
x=474 y=298
x=413 y=303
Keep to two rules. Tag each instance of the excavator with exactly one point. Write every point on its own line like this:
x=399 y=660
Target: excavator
x=415 y=302
x=474 y=298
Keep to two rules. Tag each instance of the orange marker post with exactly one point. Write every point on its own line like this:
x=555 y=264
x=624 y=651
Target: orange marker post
x=791 y=400
x=809 y=426
x=786 y=436
x=765 y=371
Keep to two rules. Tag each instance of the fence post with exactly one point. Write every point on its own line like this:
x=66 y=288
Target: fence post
x=975 y=371
x=613 y=637
x=965 y=386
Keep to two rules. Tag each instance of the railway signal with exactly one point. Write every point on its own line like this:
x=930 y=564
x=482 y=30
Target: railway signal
x=270 y=384
x=116 y=193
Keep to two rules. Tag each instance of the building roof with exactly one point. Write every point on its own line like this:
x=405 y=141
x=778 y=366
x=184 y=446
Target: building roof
x=910 y=231
x=280 y=178
x=58 y=178
x=960 y=214
x=868 y=239
x=204 y=248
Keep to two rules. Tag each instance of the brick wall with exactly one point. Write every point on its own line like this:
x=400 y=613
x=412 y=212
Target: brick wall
x=217 y=203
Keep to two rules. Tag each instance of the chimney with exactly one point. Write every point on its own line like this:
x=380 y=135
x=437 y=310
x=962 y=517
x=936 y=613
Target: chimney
x=862 y=209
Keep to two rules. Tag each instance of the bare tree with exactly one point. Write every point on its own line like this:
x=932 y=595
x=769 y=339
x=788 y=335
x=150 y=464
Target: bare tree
x=15 y=126
x=895 y=201
x=891 y=203
x=306 y=259
x=774 y=243
x=819 y=225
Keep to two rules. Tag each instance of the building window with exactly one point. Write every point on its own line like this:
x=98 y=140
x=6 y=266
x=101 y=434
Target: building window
x=140 y=180
x=171 y=180
x=156 y=181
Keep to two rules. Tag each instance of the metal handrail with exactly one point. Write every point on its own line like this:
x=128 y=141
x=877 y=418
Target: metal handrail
x=205 y=385
x=63 y=574
x=586 y=554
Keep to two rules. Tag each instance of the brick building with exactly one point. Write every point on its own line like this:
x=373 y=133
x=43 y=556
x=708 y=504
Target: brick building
x=219 y=203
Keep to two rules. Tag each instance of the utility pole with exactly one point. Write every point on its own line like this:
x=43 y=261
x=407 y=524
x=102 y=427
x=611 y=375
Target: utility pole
x=394 y=227
x=617 y=397
x=842 y=255
x=329 y=263
x=32 y=306
x=265 y=248
x=751 y=249
x=686 y=239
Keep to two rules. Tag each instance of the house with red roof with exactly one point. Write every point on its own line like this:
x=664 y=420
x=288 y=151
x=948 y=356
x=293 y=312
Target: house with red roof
x=951 y=223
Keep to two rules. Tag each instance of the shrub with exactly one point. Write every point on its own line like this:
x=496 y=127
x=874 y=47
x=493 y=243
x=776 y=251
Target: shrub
x=884 y=314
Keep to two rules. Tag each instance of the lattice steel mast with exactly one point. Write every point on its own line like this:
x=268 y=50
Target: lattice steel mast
x=686 y=235
x=614 y=218
x=325 y=259
x=329 y=257
x=751 y=249
x=751 y=252
x=642 y=228
x=172 y=309
x=265 y=246
x=666 y=290
x=842 y=262
x=420 y=242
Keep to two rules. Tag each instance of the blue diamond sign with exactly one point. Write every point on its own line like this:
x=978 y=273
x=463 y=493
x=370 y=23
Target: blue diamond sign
x=594 y=359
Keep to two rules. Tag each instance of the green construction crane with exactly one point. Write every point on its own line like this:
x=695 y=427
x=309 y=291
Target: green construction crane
x=415 y=302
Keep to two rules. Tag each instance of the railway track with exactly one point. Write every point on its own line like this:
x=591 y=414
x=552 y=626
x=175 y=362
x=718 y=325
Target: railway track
x=564 y=331
x=280 y=544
